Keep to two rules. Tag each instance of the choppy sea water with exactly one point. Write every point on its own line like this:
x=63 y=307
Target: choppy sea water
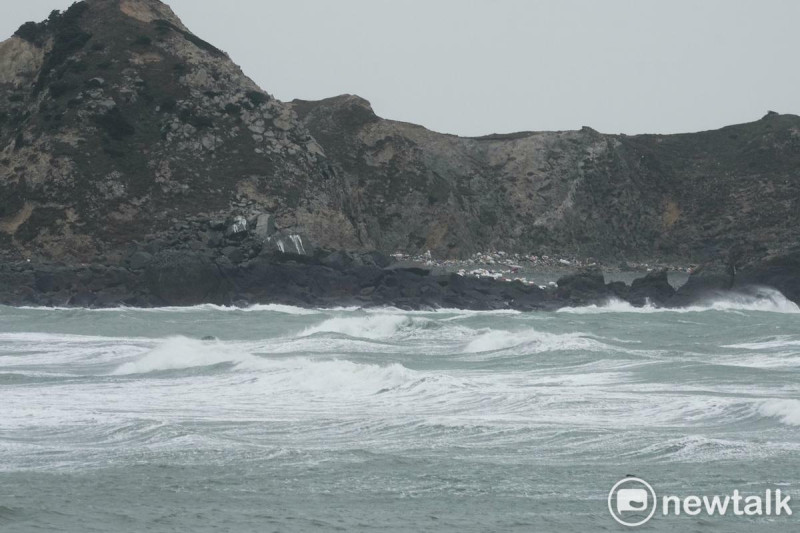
x=385 y=420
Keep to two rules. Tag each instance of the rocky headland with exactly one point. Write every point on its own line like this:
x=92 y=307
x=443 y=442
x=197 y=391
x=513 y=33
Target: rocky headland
x=139 y=166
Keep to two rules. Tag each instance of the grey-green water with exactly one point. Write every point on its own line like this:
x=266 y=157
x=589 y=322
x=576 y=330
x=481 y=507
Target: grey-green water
x=382 y=420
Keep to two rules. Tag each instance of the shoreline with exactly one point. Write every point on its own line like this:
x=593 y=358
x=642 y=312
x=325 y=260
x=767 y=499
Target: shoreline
x=186 y=278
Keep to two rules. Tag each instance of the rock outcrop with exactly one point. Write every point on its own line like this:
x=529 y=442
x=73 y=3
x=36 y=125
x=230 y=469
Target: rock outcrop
x=687 y=198
x=117 y=124
x=186 y=277
x=139 y=165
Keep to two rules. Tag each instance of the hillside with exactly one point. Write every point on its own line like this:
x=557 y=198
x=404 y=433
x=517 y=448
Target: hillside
x=121 y=129
x=685 y=197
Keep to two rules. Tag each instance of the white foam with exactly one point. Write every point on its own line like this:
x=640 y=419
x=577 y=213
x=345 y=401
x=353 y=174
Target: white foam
x=277 y=308
x=287 y=374
x=762 y=299
x=379 y=326
x=280 y=308
x=530 y=340
x=438 y=311
x=613 y=305
x=773 y=343
x=787 y=411
x=57 y=352
x=181 y=352
x=339 y=377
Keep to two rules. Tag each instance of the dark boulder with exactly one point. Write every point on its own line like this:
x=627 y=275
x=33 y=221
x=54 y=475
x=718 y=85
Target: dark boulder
x=583 y=287
x=654 y=288
x=779 y=272
x=618 y=290
x=706 y=282
x=264 y=226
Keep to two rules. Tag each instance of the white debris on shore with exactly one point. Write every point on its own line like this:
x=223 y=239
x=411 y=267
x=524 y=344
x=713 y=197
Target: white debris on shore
x=506 y=266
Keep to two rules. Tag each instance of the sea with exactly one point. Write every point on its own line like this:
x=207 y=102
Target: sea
x=278 y=418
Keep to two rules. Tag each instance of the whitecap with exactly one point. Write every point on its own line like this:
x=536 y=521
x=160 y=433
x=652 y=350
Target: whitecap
x=761 y=299
x=282 y=374
x=375 y=327
x=785 y=410
x=180 y=353
x=531 y=340
x=276 y=308
x=782 y=341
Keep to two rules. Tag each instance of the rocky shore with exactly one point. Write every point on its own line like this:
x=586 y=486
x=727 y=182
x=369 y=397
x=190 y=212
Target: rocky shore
x=140 y=166
x=249 y=273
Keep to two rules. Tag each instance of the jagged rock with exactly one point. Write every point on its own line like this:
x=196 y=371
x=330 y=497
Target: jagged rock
x=586 y=285
x=689 y=197
x=705 y=283
x=654 y=288
x=237 y=228
x=778 y=272
x=287 y=243
x=184 y=277
x=265 y=226
x=101 y=146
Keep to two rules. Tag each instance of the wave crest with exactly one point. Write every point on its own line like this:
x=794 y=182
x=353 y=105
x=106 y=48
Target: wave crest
x=374 y=327
x=787 y=411
x=179 y=353
x=281 y=374
x=530 y=340
x=762 y=299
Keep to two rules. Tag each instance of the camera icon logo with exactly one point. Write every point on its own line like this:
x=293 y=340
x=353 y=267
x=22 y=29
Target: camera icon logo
x=632 y=502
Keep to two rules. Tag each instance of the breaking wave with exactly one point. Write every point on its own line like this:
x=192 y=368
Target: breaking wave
x=763 y=299
x=787 y=411
x=275 y=308
x=279 y=375
x=382 y=326
x=783 y=341
x=532 y=342
x=178 y=353
x=297 y=373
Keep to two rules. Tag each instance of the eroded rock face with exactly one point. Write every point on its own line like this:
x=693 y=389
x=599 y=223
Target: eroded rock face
x=688 y=198
x=20 y=61
x=652 y=289
x=119 y=128
x=116 y=121
x=781 y=272
x=707 y=282
x=240 y=275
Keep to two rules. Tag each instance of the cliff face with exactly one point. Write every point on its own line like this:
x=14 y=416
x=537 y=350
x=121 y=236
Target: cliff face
x=117 y=124
x=682 y=197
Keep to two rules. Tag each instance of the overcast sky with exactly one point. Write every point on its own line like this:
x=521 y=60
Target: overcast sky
x=481 y=66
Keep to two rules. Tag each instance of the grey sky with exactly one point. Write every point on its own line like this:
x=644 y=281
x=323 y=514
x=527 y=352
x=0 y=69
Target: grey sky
x=474 y=67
